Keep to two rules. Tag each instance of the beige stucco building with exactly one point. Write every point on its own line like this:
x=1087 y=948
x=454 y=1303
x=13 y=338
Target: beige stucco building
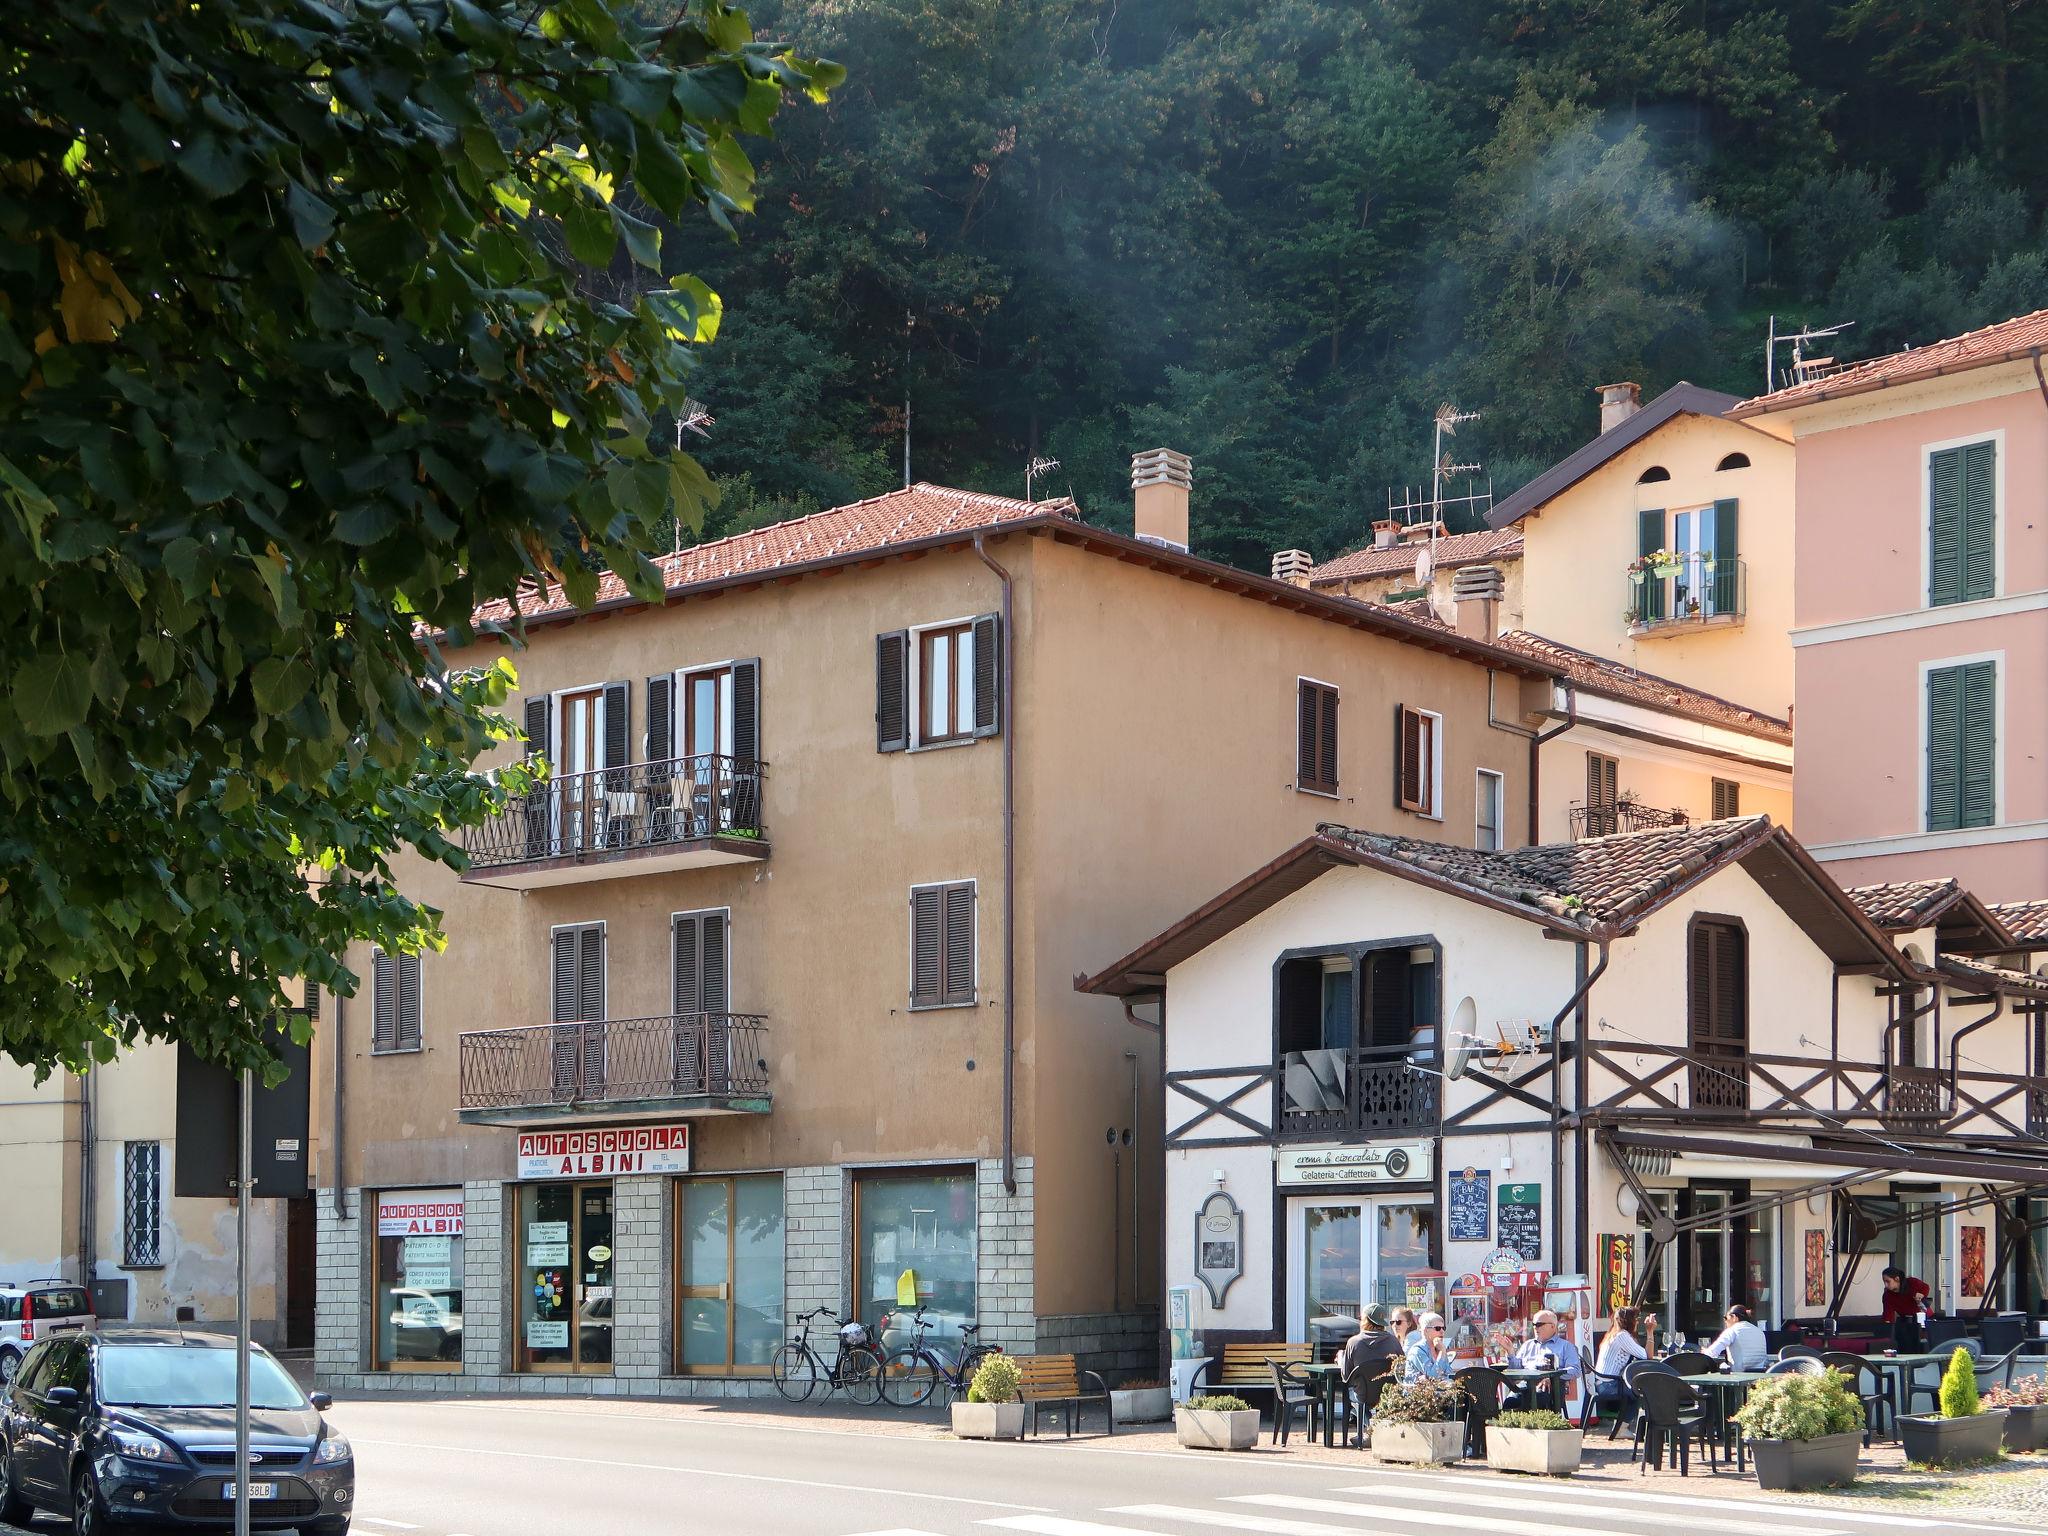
x=774 y=981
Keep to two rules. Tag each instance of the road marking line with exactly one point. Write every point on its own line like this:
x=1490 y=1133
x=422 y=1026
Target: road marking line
x=1524 y=1505
x=1468 y=1522
x=396 y=1525
x=1231 y=1519
x=1055 y=1525
x=656 y=1466
x=898 y=1531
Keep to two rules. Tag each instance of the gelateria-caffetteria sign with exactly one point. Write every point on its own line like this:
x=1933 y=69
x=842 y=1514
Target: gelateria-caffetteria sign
x=1379 y=1162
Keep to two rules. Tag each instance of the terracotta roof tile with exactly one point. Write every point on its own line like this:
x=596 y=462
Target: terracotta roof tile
x=1901 y=905
x=1983 y=973
x=1454 y=549
x=1585 y=884
x=1998 y=343
x=1610 y=679
x=2027 y=921
x=915 y=512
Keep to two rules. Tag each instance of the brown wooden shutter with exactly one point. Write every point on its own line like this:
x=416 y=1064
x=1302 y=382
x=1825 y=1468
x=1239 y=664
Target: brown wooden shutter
x=892 y=691
x=537 y=726
x=1717 y=1013
x=959 y=958
x=661 y=718
x=1727 y=799
x=988 y=674
x=313 y=1001
x=1411 y=760
x=408 y=1003
x=713 y=931
x=618 y=722
x=686 y=991
x=383 y=1001
x=566 y=997
x=746 y=711
x=1315 y=748
x=1389 y=1000
x=927 y=940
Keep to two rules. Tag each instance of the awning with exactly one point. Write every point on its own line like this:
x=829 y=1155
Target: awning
x=1974 y=1165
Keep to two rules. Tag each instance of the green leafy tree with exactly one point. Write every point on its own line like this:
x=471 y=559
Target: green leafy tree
x=314 y=334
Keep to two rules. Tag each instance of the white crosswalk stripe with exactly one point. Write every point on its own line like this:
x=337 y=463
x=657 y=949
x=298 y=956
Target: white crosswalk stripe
x=1571 y=1522
x=1522 y=1503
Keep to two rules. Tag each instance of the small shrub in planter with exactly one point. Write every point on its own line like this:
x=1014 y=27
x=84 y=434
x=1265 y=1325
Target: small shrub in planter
x=1963 y=1431
x=1804 y=1431
x=1146 y=1400
x=1216 y=1422
x=1419 y=1421
x=2026 y=1413
x=993 y=1410
x=1538 y=1440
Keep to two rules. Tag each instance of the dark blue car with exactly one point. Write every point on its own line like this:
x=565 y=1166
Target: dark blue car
x=138 y=1429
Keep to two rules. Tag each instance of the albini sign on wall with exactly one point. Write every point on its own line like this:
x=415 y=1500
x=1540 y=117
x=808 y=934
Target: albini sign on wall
x=604 y=1153
x=420 y=1213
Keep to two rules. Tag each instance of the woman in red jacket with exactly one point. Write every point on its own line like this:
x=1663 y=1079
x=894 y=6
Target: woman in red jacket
x=1904 y=1296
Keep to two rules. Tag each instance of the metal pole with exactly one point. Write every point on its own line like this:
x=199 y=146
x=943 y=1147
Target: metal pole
x=245 y=1187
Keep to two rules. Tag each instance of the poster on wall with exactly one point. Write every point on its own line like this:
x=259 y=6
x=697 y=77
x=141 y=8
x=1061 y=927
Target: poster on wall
x=1519 y=1219
x=1471 y=1197
x=420 y=1213
x=545 y=1335
x=1617 y=1278
x=1816 y=1291
x=1973 y=1261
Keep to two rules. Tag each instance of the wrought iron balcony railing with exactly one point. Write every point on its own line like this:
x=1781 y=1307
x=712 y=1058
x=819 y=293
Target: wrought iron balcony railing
x=613 y=1062
x=1622 y=816
x=1694 y=588
x=635 y=808
x=1366 y=1091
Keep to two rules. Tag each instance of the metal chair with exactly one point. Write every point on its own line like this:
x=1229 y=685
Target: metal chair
x=1484 y=1388
x=1867 y=1382
x=1292 y=1395
x=1672 y=1413
x=1798 y=1365
x=1692 y=1362
x=1365 y=1382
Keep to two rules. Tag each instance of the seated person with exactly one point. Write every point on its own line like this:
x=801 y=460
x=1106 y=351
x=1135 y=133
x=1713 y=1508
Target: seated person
x=1544 y=1349
x=1427 y=1358
x=1371 y=1342
x=1623 y=1342
x=1741 y=1343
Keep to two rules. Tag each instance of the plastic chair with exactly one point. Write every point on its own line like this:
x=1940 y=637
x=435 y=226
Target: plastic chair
x=1925 y=1380
x=1629 y=1372
x=1365 y=1383
x=1602 y=1388
x=1291 y=1395
x=1484 y=1388
x=1868 y=1383
x=1997 y=1373
x=1672 y=1413
x=1692 y=1362
x=1798 y=1365
x=1801 y=1352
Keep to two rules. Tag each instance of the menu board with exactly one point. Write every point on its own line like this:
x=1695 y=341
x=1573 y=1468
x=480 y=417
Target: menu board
x=1471 y=1197
x=1520 y=1219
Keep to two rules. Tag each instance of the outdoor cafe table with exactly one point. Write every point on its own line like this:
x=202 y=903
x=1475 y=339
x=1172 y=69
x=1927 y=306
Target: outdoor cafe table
x=1329 y=1381
x=1727 y=1385
x=1898 y=1369
x=1533 y=1383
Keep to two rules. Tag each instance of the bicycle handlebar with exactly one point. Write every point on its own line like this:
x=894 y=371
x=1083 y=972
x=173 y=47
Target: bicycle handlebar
x=805 y=1317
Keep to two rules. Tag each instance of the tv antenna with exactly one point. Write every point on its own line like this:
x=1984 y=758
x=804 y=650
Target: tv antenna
x=1041 y=465
x=1803 y=367
x=694 y=419
x=1411 y=506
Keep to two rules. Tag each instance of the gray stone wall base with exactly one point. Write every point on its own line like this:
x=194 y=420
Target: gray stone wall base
x=1119 y=1345
x=341 y=1310
x=1004 y=1263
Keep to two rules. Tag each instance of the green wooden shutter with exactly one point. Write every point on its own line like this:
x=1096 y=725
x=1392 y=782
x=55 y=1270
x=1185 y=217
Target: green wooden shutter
x=1650 y=539
x=1727 y=585
x=1977 y=769
x=1979 y=520
x=1944 y=749
x=1962 y=508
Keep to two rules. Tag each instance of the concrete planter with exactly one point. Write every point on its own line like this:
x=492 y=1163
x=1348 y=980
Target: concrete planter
x=1943 y=1442
x=2026 y=1427
x=1203 y=1429
x=988 y=1421
x=1792 y=1465
x=1145 y=1405
x=1420 y=1444
x=1545 y=1452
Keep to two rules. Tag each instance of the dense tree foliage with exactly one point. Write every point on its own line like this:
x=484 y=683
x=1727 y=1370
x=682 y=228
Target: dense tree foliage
x=314 y=332
x=1278 y=234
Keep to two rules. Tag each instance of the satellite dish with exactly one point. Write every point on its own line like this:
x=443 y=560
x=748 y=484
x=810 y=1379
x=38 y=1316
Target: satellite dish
x=1463 y=1043
x=1424 y=567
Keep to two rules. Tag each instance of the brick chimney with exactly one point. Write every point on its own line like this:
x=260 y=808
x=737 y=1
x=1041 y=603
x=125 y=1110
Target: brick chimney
x=1618 y=402
x=1161 y=481
x=1476 y=592
x=1292 y=566
x=1423 y=532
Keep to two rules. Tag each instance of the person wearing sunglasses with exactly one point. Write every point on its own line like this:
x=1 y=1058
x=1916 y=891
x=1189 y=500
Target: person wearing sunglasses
x=1427 y=1357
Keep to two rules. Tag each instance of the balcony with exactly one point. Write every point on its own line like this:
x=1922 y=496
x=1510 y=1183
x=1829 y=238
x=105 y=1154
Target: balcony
x=1687 y=592
x=615 y=1069
x=642 y=819
x=1349 y=1094
x=1625 y=815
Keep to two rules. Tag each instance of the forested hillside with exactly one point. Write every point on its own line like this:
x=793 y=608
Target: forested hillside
x=1277 y=234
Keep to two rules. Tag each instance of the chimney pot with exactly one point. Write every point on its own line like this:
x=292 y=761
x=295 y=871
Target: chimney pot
x=1417 y=533
x=1618 y=402
x=1476 y=593
x=1161 y=482
x=1384 y=533
x=1292 y=566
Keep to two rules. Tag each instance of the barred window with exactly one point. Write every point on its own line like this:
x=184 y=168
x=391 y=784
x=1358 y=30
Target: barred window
x=142 y=1204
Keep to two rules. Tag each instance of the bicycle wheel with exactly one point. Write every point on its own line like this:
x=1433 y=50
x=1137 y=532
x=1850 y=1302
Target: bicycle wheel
x=908 y=1377
x=860 y=1375
x=795 y=1370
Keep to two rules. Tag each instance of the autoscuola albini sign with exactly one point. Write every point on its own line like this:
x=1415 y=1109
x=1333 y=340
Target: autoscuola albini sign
x=604 y=1153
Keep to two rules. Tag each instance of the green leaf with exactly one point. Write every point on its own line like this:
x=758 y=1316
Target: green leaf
x=212 y=166
x=279 y=683
x=312 y=219
x=52 y=694
x=34 y=509
x=588 y=229
x=643 y=240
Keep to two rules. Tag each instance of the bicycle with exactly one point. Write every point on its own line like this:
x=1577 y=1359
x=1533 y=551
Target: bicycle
x=798 y=1369
x=910 y=1375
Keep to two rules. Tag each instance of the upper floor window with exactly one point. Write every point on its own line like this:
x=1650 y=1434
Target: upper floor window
x=1490 y=820
x=942 y=945
x=939 y=684
x=1962 y=497
x=1962 y=745
x=142 y=1204
x=1382 y=1000
x=1733 y=461
x=1653 y=474
x=1727 y=799
x=1717 y=1012
x=1315 y=736
x=394 y=1002
x=705 y=713
x=1419 y=761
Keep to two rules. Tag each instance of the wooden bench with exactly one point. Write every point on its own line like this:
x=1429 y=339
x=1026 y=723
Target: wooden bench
x=1054 y=1381
x=1244 y=1367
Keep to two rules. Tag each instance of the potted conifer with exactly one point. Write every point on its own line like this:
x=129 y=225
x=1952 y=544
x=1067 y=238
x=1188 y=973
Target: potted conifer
x=1420 y=1421
x=2026 y=1413
x=1216 y=1422
x=1963 y=1431
x=993 y=1410
x=1538 y=1440
x=1804 y=1431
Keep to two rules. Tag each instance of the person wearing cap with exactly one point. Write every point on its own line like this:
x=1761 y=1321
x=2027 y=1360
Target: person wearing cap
x=1371 y=1342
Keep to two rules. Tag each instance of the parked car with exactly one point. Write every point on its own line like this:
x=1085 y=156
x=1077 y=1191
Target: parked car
x=41 y=1309
x=139 y=1427
x=426 y=1324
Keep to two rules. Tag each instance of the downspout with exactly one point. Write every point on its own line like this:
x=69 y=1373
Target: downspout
x=1009 y=873
x=87 y=1199
x=1582 y=1075
x=1955 y=1042
x=334 y=1127
x=1571 y=718
x=2035 y=354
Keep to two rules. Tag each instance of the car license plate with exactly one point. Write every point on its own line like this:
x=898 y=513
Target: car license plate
x=256 y=1491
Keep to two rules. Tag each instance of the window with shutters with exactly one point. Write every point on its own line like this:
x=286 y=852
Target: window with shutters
x=942 y=958
x=1603 y=797
x=939 y=685
x=577 y=987
x=1961 y=733
x=394 y=1002
x=142 y=1204
x=1717 y=1012
x=1962 y=522
x=701 y=961
x=1315 y=736
x=1418 y=761
x=1727 y=799
x=1490 y=795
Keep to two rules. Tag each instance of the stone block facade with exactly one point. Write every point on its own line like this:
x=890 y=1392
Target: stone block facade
x=341 y=1311
x=642 y=1341
x=1003 y=1257
x=486 y=1327
x=1119 y=1345
x=815 y=1205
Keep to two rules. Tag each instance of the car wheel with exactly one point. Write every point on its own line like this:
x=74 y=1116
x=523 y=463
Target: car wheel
x=14 y=1509
x=10 y=1362
x=88 y=1512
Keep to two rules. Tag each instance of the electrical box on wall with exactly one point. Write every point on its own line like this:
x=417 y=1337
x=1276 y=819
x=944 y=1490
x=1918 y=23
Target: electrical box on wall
x=209 y=1122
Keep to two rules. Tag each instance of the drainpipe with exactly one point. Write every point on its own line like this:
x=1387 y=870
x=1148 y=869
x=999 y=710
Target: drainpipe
x=1571 y=718
x=86 y=1196
x=1009 y=873
x=1581 y=1077
x=334 y=1126
x=1955 y=1042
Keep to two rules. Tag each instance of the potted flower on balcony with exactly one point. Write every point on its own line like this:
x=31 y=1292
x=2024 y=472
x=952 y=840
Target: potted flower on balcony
x=1804 y=1431
x=993 y=1410
x=2026 y=1413
x=1964 y=1430
x=1538 y=1440
x=1216 y=1422
x=1144 y=1401
x=1419 y=1421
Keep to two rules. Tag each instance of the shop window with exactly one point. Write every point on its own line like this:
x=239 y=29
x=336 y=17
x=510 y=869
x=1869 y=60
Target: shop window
x=419 y=1280
x=916 y=1231
x=729 y=1314
x=565 y=1278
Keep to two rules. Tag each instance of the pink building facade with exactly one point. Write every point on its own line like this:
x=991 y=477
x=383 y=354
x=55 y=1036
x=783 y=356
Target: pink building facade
x=1920 y=614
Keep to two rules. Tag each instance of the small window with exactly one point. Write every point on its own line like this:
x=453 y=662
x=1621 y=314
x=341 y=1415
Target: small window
x=1652 y=475
x=1727 y=799
x=1603 y=775
x=1418 y=761
x=1734 y=461
x=1717 y=1013
x=942 y=945
x=945 y=695
x=1490 y=833
x=142 y=1204
x=394 y=1002
x=938 y=685
x=1315 y=737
